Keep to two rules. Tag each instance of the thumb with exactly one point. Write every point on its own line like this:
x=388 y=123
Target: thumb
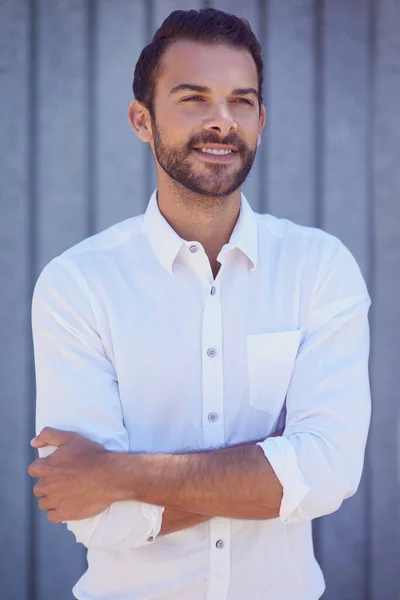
x=50 y=437
x=37 y=442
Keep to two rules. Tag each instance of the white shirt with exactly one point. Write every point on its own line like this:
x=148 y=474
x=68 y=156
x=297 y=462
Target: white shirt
x=139 y=348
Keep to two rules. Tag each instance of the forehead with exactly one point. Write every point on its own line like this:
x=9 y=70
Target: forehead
x=212 y=65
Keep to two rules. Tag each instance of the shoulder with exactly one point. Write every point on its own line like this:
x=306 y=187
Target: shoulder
x=316 y=254
x=301 y=241
x=93 y=257
x=302 y=237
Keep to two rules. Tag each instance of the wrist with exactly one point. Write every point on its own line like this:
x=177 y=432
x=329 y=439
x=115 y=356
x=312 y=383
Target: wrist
x=119 y=468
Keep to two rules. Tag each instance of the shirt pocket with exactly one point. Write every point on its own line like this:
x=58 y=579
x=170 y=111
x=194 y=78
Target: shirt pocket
x=271 y=358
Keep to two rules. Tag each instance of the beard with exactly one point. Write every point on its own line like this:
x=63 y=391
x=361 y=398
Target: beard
x=215 y=181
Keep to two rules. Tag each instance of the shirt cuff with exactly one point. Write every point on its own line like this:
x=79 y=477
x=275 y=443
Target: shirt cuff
x=154 y=515
x=282 y=457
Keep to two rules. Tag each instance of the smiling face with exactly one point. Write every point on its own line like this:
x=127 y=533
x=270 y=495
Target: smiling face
x=207 y=120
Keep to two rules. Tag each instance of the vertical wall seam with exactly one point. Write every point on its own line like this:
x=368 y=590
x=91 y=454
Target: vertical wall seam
x=262 y=200
x=319 y=99
x=319 y=131
x=370 y=276
x=32 y=261
x=91 y=115
x=148 y=157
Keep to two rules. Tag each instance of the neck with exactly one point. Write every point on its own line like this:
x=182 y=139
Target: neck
x=194 y=217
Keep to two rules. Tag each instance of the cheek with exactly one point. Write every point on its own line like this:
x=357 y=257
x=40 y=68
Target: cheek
x=248 y=122
x=176 y=130
x=186 y=125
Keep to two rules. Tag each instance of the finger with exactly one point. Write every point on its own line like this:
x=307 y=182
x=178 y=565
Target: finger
x=38 y=490
x=37 y=442
x=53 y=517
x=51 y=437
x=37 y=468
x=46 y=503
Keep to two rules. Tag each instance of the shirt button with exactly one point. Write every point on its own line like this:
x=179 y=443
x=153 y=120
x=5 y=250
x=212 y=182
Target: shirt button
x=150 y=539
x=213 y=417
x=213 y=291
x=193 y=249
x=220 y=544
x=211 y=352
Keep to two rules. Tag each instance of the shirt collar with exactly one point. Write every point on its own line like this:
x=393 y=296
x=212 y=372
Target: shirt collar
x=166 y=243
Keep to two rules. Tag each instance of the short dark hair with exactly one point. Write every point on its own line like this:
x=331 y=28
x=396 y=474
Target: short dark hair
x=204 y=25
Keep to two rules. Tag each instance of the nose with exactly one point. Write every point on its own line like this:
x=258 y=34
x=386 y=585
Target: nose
x=220 y=119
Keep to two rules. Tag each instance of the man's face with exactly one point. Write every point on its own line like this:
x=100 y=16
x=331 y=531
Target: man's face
x=206 y=101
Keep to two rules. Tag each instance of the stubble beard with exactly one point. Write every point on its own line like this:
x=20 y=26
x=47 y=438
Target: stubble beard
x=217 y=183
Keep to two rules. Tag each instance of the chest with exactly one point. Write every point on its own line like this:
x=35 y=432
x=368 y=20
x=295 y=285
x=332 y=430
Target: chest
x=202 y=365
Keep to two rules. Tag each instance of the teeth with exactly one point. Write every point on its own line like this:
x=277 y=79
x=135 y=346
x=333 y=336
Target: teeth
x=212 y=151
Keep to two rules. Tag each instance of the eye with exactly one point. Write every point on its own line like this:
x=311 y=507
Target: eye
x=243 y=101
x=192 y=99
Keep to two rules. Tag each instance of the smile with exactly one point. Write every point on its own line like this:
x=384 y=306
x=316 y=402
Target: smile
x=212 y=151
x=217 y=155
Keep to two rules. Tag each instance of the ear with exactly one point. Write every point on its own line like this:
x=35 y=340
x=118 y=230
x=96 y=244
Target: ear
x=262 y=121
x=139 y=118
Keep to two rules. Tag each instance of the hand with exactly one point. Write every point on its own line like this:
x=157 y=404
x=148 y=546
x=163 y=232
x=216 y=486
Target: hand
x=73 y=480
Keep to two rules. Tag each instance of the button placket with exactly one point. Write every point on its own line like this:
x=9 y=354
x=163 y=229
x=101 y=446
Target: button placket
x=212 y=374
x=220 y=529
x=214 y=436
x=213 y=417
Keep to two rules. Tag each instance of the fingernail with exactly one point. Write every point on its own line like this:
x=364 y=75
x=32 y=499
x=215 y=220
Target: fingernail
x=33 y=440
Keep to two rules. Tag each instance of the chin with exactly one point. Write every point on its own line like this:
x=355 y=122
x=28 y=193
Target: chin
x=215 y=192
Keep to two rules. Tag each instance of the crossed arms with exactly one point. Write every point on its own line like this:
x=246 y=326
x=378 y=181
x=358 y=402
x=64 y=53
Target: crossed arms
x=114 y=498
x=82 y=479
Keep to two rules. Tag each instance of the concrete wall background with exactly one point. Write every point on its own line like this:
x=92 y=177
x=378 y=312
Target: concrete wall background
x=70 y=166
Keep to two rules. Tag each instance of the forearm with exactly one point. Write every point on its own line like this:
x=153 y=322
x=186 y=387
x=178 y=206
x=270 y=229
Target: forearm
x=236 y=482
x=176 y=520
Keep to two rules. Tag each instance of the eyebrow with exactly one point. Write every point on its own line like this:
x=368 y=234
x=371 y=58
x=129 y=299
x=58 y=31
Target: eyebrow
x=206 y=90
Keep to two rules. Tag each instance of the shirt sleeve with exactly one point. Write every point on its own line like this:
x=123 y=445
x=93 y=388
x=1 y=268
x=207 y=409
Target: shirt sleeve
x=319 y=459
x=77 y=390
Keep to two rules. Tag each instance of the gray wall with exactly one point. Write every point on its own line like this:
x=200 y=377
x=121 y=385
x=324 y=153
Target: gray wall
x=70 y=166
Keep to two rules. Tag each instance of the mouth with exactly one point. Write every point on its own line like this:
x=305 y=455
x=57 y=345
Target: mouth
x=216 y=152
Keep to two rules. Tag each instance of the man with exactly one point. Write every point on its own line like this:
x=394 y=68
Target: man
x=202 y=370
